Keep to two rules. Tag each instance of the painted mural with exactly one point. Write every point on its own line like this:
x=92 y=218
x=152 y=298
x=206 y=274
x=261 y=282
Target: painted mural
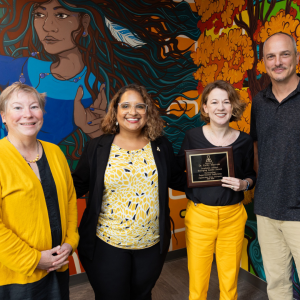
x=230 y=48
x=81 y=52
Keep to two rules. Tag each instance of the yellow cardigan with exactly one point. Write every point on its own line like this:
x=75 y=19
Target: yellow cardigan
x=24 y=222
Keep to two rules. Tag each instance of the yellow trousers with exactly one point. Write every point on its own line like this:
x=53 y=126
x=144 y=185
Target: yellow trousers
x=209 y=228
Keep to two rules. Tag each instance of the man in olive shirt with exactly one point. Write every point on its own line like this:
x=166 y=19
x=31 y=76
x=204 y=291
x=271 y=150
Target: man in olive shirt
x=275 y=128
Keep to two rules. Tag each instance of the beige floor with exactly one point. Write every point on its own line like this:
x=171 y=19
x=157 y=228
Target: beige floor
x=173 y=285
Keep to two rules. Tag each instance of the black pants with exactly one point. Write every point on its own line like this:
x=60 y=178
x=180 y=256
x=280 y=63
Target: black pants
x=123 y=274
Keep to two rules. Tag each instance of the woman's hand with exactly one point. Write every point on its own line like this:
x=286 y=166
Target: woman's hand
x=48 y=259
x=234 y=183
x=50 y=262
x=65 y=250
x=89 y=119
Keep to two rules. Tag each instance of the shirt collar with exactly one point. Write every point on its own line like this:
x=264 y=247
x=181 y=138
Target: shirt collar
x=268 y=93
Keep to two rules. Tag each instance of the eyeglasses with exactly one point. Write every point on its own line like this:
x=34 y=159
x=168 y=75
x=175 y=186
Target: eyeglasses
x=140 y=108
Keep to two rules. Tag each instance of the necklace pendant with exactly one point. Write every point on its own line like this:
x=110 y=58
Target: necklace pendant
x=29 y=161
x=35 y=160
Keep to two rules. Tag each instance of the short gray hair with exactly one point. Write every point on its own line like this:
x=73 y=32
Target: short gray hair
x=290 y=36
x=20 y=87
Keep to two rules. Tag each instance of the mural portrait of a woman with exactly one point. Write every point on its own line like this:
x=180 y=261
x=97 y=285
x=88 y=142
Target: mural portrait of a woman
x=81 y=52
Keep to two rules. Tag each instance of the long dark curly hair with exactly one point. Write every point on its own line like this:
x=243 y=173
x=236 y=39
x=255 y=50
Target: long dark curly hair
x=154 y=125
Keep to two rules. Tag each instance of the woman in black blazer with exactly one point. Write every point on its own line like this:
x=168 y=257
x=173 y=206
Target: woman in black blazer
x=125 y=229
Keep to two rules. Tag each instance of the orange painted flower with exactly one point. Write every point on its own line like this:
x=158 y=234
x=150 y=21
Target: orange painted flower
x=237 y=57
x=227 y=15
x=247 y=64
x=209 y=74
x=218 y=13
x=198 y=74
x=261 y=66
x=195 y=56
x=239 y=4
x=207 y=8
x=278 y=23
x=227 y=57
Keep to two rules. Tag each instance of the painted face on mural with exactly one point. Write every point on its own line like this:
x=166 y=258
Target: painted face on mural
x=280 y=58
x=131 y=121
x=23 y=115
x=218 y=107
x=56 y=27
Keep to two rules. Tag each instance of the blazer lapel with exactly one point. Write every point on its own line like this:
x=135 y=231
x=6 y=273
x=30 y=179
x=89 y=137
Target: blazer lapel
x=159 y=158
x=103 y=151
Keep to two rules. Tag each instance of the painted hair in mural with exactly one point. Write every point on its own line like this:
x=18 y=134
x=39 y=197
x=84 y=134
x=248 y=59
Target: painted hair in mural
x=81 y=52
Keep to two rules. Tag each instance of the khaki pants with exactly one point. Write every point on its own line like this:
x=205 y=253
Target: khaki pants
x=279 y=242
x=207 y=228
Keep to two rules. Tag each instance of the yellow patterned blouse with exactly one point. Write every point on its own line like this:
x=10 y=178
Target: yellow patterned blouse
x=129 y=216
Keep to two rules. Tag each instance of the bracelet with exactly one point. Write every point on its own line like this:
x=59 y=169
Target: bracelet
x=248 y=185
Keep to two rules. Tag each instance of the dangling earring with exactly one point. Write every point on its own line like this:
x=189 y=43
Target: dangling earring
x=117 y=123
x=85 y=34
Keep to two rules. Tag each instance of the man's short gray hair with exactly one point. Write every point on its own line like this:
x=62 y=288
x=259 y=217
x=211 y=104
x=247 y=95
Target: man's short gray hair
x=290 y=36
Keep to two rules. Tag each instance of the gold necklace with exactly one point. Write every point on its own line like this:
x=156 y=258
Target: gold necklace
x=29 y=161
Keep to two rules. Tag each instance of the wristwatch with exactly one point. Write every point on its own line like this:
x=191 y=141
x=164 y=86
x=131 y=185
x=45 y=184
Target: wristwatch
x=248 y=185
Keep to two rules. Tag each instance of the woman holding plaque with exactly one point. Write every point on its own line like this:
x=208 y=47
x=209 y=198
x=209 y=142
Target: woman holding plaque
x=215 y=217
x=125 y=229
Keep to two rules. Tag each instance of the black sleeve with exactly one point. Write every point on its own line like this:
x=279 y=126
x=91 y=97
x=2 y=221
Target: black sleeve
x=248 y=163
x=253 y=132
x=81 y=175
x=178 y=177
x=180 y=158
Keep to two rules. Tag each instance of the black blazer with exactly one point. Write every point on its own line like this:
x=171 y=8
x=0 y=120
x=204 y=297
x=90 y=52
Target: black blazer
x=89 y=177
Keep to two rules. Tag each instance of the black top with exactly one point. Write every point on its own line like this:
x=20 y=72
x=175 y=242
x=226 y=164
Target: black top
x=55 y=285
x=243 y=168
x=89 y=177
x=51 y=198
x=275 y=127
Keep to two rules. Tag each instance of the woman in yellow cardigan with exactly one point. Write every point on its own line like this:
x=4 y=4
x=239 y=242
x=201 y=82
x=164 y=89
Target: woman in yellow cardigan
x=38 y=209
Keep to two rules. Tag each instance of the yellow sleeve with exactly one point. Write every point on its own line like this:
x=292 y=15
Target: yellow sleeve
x=72 y=236
x=16 y=254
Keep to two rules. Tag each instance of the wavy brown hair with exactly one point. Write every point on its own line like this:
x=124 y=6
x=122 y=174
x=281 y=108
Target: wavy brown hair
x=238 y=105
x=154 y=125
